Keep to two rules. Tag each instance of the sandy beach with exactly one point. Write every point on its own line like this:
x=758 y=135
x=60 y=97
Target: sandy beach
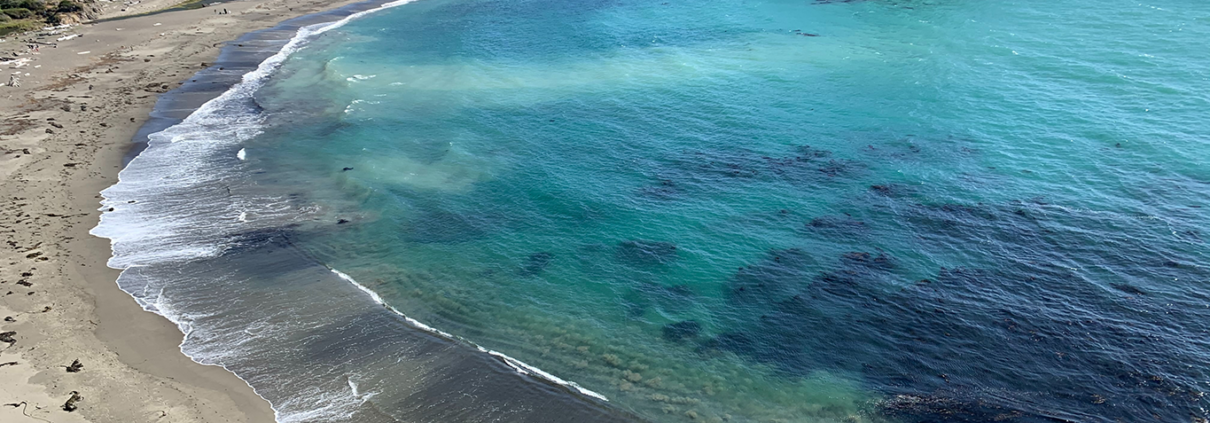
x=63 y=135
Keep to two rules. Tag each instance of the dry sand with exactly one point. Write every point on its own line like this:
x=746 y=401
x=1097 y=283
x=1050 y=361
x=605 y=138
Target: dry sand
x=63 y=134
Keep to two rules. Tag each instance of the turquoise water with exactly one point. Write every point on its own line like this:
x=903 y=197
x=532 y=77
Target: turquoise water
x=773 y=211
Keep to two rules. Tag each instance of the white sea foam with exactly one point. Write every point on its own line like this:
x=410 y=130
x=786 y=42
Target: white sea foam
x=516 y=364
x=167 y=208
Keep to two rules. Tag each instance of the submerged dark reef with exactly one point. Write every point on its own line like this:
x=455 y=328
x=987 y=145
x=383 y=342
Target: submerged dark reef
x=1025 y=340
x=1062 y=314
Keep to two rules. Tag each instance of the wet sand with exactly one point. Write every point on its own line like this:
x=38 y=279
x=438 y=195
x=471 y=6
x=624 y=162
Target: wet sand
x=63 y=136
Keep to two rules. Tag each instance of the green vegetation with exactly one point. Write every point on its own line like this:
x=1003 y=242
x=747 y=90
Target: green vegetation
x=18 y=13
x=68 y=6
x=34 y=5
x=25 y=15
x=11 y=26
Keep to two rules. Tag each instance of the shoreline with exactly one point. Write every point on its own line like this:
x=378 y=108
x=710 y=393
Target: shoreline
x=66 y=131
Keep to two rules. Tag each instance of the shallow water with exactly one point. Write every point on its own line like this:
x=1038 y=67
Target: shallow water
x=722 y=211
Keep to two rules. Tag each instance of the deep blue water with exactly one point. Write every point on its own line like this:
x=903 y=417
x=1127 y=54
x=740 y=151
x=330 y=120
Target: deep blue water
x=765 y=211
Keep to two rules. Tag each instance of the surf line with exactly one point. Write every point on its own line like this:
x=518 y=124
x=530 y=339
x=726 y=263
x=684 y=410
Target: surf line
x=517 y=365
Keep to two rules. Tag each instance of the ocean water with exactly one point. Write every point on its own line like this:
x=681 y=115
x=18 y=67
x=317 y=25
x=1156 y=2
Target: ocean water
x=744 y=211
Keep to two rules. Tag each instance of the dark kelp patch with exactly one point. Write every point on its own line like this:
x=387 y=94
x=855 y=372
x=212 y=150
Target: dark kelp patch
x=535 y=263
x=645 y=253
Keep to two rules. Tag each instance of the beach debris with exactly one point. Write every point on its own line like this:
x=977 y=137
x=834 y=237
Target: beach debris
x=70 y=405
x=24 y=282
x=13 y=81
x=8 y=337
x=9 y=319
x=342 y=221
x=11 y=363
x=75 y=367
x=346 y=169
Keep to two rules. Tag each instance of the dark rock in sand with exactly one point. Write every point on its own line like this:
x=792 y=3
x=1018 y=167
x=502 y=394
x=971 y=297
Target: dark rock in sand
x=75 y=367
x=7 y=337
x=70 y=405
